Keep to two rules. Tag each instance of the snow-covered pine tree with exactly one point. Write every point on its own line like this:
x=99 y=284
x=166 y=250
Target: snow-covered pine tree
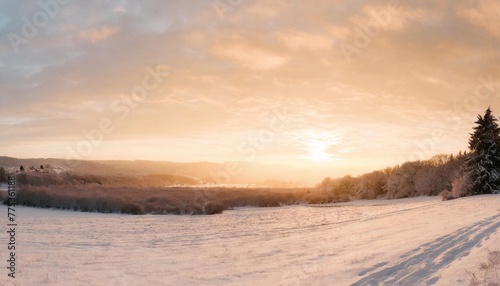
x=482 y=168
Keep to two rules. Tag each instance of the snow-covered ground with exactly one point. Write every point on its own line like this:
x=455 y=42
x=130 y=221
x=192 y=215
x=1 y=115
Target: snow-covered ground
x=419 y=241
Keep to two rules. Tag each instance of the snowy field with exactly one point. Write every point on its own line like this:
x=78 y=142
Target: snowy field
x=419 y=241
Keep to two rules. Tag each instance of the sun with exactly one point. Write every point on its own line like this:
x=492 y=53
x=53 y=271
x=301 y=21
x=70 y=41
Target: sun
x=317 y=153
x=319 y=145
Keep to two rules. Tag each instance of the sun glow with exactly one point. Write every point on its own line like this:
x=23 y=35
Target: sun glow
x=318 y=152
x=319 y=146
x=319 y=155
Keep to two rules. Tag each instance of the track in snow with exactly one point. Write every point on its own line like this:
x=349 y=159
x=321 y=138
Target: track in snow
x=433 y=256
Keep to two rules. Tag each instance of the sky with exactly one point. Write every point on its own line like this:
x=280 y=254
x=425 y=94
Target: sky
x=355 y=85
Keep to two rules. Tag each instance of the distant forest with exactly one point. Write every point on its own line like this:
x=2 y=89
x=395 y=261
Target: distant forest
x=411 y=179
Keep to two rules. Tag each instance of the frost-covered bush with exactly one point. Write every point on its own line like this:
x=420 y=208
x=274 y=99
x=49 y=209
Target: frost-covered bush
x=446 y=195
x=152 y=200
x=366 y=194
x=213 y=208
x=460 y=187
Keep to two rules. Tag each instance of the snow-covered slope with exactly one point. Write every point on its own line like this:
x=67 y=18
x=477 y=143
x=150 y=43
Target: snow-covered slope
x=419 y=241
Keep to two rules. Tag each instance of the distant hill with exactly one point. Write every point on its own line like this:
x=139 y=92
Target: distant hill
x=208 y=172
x=88 y=167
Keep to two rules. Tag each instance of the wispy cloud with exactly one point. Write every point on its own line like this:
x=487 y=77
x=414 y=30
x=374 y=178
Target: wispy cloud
x=249 y=55
x=95 y=35
x=297 y=40
x=484 y=15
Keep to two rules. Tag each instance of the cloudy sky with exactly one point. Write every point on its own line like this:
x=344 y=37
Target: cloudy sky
x=358 y=85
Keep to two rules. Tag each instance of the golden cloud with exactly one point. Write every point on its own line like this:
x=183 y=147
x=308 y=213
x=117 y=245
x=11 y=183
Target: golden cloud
x=95 y=35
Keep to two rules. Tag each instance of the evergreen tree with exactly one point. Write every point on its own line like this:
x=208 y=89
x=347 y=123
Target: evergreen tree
x=482 y=168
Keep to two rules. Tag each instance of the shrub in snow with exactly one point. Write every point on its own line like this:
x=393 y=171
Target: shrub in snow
x=132 y=208
x=460 y=187
x=488 y=271
x=447 y=195
x=213 y=208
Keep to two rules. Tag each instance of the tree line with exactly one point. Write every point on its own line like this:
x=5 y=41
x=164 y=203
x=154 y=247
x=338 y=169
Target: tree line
x=411 y=179
x=476 y=171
